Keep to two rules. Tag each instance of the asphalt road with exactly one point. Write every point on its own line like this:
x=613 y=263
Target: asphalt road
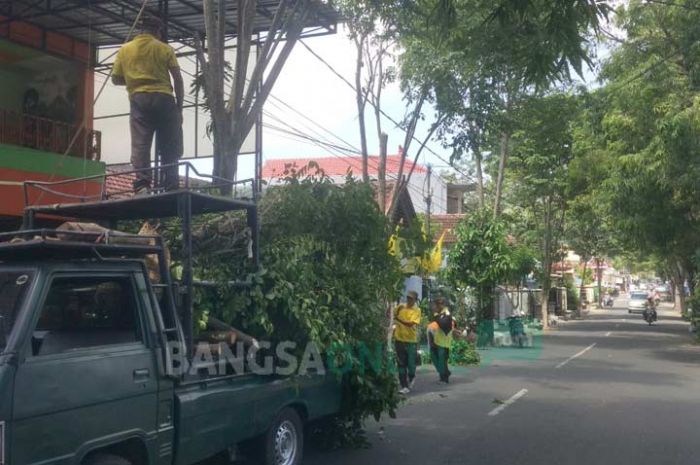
x=608 y=389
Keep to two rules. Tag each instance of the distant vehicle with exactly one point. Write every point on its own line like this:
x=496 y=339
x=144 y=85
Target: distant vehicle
x=664 y=294
x=637 y=302
x=649 y=313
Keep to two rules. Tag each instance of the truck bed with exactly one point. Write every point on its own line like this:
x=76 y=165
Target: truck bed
x=213 y=414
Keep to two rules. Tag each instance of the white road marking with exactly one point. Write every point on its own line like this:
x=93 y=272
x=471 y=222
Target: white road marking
x=608 y=333
x=505 y=404
x=576 y=355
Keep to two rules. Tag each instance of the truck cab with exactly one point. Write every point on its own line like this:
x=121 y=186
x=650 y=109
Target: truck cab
x=80 y=361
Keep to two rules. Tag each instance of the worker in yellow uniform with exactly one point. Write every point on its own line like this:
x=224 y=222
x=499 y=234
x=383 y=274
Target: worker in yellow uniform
x=440 y=332
x=407 y=317
x=145 y=65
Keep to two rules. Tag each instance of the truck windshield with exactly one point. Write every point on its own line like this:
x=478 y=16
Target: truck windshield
x=13 y=290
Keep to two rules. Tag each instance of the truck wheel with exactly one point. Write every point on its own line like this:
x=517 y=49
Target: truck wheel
x=284 y=441
x=106 y=459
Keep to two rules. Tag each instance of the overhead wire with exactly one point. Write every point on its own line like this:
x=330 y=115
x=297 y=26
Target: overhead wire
x=319 y=140
x=383 y=113
x=348 y=151
x=355 y=149
x=342 y=149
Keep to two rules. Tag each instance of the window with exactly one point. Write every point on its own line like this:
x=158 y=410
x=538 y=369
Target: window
x=13 y=291
x=82 y=312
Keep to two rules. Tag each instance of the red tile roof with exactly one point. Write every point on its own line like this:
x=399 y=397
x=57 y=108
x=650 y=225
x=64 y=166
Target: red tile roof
x=447 y=223
x=119 y=186
x=338 y=166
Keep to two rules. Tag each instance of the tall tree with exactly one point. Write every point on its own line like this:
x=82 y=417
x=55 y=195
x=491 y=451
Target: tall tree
x=541 y=154
x=480 y=57
x=235 y=109
x=649 y=128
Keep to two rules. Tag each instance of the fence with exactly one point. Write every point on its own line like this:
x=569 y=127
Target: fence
x=47 y=135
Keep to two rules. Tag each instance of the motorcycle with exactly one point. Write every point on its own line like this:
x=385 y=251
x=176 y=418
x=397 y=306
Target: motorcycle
x=517 y=331
x=608 y=301
x=649 y=314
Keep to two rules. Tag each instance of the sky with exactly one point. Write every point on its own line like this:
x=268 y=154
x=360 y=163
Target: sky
x=306 y=85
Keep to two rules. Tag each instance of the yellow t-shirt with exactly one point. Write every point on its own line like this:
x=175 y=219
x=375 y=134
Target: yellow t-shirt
x=144 y=63
x=404 y=333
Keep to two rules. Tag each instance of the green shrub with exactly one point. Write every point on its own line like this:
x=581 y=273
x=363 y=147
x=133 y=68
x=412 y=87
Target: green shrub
x=463 y=353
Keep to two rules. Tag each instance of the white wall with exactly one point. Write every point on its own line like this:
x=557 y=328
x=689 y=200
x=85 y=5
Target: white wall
x=418 y=189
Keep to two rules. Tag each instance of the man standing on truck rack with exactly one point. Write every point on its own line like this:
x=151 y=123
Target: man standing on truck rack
x=407 y=318
x=145 y=65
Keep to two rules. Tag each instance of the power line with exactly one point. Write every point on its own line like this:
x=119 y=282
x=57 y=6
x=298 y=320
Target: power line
x=353 y=150
x=390 y=118
x=317 y=139
x=352 y=161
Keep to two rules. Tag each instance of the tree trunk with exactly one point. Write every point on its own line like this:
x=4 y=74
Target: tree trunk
x=237 y=116
x=547 y=261
x=485 y=313
x=546 y=289
x=361 y=101
x=582 y=289
x=599 y=276
x=383 y=140
x=503 y=159
x=679 y=276
x=479 y=177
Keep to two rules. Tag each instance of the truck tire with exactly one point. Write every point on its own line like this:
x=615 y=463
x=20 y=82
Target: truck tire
x=284 y=441
x=106 y=459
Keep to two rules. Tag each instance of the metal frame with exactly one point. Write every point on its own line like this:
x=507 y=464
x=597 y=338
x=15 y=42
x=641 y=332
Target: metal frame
x=111 y=21
x=183 y=203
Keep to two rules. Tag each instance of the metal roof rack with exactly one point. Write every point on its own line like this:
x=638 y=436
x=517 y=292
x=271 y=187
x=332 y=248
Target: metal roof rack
x=110 y=21
x=31 y=244
x=183 y=203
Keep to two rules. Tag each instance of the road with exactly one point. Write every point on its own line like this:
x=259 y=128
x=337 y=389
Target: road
x=608 y=389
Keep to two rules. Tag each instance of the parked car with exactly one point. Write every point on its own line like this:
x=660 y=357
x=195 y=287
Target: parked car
x=636 y=302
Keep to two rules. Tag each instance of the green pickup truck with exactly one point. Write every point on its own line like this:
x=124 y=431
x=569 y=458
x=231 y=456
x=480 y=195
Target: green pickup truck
x=87 y=371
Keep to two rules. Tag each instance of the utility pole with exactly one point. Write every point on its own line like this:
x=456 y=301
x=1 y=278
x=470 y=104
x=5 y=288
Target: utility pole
x=429 y=199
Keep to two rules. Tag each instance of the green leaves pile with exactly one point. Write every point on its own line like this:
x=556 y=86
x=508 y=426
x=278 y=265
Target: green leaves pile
x=326 y=277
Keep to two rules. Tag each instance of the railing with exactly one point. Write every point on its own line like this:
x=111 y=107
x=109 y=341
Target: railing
x=47 y=135
x=190 y=179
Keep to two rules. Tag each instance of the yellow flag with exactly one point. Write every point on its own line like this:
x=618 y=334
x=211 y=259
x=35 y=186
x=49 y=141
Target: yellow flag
x=394 y=248
x=423 y=231
x=433 y=261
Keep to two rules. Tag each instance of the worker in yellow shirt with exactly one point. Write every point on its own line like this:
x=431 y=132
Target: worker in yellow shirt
x=440 y=332
x=407 y=317
x=145 y=66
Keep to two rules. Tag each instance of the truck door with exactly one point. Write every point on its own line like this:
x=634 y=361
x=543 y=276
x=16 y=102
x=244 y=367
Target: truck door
x=90 y=376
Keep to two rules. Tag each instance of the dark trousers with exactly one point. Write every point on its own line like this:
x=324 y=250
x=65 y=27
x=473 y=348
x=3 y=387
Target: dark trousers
x=439 y=357
x=406 y=361
x=155 y=113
